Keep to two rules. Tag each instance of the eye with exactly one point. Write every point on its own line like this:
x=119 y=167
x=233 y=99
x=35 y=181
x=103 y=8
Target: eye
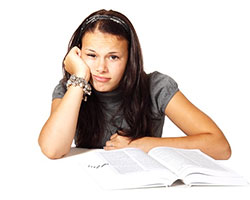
x=91 y=55
x=113 y=57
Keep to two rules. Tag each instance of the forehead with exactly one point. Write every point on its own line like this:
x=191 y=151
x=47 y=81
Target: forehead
x=102 y=41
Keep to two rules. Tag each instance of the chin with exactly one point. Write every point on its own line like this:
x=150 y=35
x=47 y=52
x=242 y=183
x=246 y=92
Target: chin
x=102 y=89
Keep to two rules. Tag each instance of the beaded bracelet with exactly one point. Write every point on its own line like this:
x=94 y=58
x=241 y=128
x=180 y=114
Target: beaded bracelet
x=82 y=83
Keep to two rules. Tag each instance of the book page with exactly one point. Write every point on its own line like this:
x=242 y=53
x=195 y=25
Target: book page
x=132 y=168
x=130 y=160
x=127 y=168
x=185 y=161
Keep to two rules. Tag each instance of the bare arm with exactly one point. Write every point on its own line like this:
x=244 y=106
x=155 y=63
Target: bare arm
x=58 y=132
x=202 y=133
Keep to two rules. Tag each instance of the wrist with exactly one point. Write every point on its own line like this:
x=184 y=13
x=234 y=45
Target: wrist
x=144 y=143
x=85 y=74
x=76 y=81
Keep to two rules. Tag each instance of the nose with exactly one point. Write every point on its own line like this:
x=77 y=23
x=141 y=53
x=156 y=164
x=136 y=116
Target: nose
x=101 y=66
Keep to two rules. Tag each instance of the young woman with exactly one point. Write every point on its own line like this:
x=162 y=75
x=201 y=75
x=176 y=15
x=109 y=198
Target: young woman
x=106 y=100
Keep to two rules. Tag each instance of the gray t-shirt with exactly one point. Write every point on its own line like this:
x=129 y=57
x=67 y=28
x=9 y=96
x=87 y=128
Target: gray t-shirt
x=162 y=89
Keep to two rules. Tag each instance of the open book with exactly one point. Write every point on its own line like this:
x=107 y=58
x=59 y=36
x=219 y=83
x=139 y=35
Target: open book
x=162 y=166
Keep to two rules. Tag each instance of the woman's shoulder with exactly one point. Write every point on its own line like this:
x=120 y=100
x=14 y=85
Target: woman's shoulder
x=59 y=90
x=162 y=88
x=158 y=79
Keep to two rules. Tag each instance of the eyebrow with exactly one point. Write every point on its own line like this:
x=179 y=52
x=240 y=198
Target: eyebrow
x=90 y=50
x=112 y=52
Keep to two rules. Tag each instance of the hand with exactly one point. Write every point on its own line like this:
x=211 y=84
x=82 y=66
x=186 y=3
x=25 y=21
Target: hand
x=74 y=64
x=117 y=142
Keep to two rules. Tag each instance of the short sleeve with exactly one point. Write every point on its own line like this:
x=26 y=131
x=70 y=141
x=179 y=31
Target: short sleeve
x=59 y=91
x=162 y=89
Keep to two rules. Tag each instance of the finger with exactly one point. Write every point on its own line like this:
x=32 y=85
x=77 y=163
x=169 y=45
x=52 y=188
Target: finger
x=121 y=133
x=75 y=49
x=109 y=148
x=79 y=53
x=113 y=136
x=109 y=144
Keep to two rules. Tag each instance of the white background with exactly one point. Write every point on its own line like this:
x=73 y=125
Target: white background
x=203 y=45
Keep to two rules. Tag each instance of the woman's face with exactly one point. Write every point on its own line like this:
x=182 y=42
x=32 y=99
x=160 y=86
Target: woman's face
x=106 y=55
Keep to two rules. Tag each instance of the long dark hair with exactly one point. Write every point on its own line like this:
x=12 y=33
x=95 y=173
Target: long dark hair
x=136 y=101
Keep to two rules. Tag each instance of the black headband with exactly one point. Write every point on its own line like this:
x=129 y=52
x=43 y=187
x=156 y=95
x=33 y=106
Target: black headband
x=106 y=17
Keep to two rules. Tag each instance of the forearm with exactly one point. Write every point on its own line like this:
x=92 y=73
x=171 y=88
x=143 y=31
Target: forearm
x=214 y=146
x=58 y=132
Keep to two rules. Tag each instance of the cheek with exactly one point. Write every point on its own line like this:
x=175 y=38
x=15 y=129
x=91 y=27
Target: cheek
x=90 y=63
x=118 y=71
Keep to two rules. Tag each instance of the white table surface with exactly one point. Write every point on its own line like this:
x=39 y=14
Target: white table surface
x=38 y=177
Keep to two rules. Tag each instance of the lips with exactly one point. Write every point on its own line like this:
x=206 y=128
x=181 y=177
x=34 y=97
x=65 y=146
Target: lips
x=101 y=79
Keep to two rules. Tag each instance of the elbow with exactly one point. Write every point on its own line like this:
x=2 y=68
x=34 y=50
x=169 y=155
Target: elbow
x=50 y=151
x=52 y=154
x=227 y=152
x=224 y=152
